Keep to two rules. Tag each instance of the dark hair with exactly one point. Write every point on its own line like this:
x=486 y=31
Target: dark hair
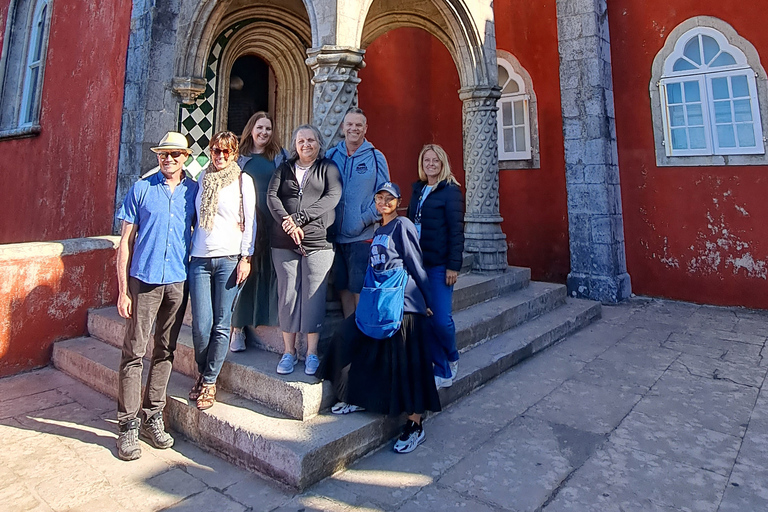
x=356 y=110
x=247 y=143
x=225 y=140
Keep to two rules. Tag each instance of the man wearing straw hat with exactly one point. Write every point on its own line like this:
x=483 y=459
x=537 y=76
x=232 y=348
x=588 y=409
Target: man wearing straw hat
x=152 y=261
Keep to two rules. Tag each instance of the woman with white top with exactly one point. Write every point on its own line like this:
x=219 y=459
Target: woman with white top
x=222 y=246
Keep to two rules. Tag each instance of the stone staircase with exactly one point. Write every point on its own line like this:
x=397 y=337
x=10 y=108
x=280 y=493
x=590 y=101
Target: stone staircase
x=280 y=425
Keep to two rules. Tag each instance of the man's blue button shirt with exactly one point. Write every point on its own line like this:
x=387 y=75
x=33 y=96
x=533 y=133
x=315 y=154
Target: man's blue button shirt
x=164 y=220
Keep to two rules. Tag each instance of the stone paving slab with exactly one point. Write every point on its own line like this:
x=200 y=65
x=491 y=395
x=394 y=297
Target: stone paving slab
x=695 y=440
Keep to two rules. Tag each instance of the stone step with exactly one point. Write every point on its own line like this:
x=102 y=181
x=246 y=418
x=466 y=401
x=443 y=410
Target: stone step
x=488 y=319
x=471 y=289
x=251 y=374
x=299 y=453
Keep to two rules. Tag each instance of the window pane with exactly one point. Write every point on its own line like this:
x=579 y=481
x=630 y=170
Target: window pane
x=725 y=59
x=503 y=76
x=676 y=116
x=519 y=117
x=509 y=140
x=720 y=88
x=520 y=138
x=711 y=48
x=683 y=65
x=511 y=88
x=698 y=140
x=723 y=112
x=30 y=107
x=746 y=133
x=40 y=34
x=695 y=116
x=739 y=86
x=674 y=93
x=742 y=110
x=506 y=114
x=692 y=50
x=725 y=136
x=692 y=92
x=679 y=140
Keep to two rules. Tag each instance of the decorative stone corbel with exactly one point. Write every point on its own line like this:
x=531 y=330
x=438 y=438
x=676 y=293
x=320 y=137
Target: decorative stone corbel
x=188 y=88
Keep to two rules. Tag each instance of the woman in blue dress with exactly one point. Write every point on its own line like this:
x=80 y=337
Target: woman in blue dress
x=260 y=154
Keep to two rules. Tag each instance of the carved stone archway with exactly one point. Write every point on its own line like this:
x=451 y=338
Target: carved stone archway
x=279 y=37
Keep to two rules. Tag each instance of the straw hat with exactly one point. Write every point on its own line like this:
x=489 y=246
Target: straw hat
x=171 y=141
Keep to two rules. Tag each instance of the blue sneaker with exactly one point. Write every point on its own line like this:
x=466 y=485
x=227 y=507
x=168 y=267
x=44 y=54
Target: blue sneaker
x=287 y=364
x=311 y=364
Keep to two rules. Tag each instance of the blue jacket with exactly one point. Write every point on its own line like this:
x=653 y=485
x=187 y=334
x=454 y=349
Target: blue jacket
x=361 y=176
x=442 y=224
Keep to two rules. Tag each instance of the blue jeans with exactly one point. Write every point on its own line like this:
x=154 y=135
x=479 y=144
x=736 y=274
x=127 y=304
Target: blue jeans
x=212 y=289
x=442 y=339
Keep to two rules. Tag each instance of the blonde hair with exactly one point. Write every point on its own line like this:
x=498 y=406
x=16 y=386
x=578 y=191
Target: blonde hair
x=445 y=171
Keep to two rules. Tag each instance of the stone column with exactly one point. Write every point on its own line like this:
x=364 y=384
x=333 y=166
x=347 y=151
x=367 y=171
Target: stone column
x=598 y=262
x=484 y=240
x=335 y=82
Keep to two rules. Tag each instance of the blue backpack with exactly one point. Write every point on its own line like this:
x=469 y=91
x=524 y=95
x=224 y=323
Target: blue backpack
x=379 y=312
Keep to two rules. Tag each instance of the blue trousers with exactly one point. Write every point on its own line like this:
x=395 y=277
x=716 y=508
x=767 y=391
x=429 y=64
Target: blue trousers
x=212 y=289
x=442 y=339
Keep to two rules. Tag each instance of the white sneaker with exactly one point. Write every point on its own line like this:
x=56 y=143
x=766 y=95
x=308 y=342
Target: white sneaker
x=442 y=382
x=413 y=435
x=345 y=408
x=454 y=366
x=237 y=340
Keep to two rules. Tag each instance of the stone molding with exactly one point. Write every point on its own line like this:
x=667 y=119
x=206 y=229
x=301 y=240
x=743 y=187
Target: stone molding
x=335 y=83
x=595 y=221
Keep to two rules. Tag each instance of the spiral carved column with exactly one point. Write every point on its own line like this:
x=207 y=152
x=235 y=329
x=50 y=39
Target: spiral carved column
x=483 y=237
x=335 y=83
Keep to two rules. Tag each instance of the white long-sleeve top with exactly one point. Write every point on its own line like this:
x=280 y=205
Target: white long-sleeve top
x=226 y=239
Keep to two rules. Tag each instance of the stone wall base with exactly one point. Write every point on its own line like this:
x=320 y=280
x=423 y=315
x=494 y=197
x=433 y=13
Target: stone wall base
x=605 y=289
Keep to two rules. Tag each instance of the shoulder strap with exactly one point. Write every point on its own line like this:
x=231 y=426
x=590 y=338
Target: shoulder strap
x=242 y=208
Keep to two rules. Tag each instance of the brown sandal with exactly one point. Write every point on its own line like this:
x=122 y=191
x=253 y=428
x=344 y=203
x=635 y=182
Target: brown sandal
x=207 y=397
x=195 y=393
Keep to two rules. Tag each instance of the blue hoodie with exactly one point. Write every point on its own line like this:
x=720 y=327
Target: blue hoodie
x=361 y=176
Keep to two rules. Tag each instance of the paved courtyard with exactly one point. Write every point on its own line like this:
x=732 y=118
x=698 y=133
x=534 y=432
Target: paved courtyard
x=659 y=406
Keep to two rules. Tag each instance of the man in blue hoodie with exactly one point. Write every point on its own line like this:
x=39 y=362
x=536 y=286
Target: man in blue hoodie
x=363 y=171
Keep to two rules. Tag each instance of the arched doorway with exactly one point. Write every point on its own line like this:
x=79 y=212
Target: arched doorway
x=256 y=61
x=251 y=89
x=408 y=90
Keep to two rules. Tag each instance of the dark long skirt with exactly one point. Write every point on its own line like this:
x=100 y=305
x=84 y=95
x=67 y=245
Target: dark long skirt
x=389 y=376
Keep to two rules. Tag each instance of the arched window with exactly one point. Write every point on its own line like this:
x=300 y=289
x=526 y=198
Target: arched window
x=22 y=66
x=709 y=98
x=513 y=116
x=38 y=38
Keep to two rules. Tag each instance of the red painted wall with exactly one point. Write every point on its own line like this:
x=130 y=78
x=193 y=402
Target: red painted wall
x=693 y=233
x=409 y=91
x=46 y=290
x=63 y=183
x=534 y=205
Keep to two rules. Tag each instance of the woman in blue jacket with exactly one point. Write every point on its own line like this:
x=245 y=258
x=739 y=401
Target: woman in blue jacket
x=437 y=210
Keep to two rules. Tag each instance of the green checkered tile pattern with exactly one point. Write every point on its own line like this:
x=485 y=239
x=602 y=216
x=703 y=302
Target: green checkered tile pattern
x=197 y=120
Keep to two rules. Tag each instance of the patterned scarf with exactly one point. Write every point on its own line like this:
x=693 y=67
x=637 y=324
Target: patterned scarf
x=213 y=181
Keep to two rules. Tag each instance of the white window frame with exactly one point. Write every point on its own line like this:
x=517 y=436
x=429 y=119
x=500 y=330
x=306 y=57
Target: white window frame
x=32 y=88
x=704 y=76
x=512 y=98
